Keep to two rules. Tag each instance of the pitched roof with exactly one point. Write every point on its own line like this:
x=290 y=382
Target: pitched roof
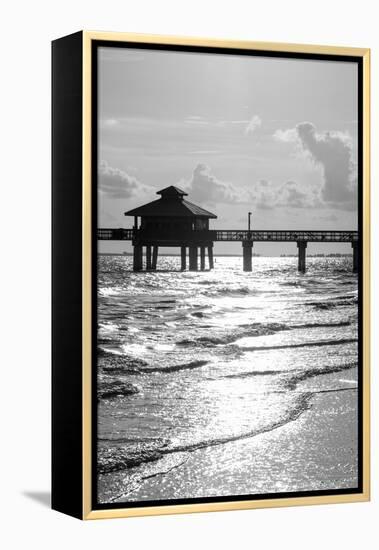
x=171 y=204
x=172 y=191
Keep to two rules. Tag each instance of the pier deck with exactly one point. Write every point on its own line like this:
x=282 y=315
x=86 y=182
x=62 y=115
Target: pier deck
x=233 y=235
x=204 y=239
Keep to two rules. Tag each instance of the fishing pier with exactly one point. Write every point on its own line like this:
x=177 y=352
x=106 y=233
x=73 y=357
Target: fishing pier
x=172 y=221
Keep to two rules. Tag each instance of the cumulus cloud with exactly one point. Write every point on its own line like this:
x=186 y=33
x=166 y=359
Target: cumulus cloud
x=117 y=184
x=254 y=123
x=263 y=195
x=287 y=136
x=333 y=152
x=205 y=188
x=293 y=195
x=290 y=194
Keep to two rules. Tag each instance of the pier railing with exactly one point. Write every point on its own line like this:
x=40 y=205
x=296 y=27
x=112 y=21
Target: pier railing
x=204 y=239
x=285 y=235
x=115 y=234
x=120 y=234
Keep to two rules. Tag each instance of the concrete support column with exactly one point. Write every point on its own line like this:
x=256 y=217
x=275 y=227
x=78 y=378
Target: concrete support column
x=193 y=258
x=202 y=258
x=148 y=257
x=355 y=248
x=155 y=257
x=210 y=256
x=183 y=253
x=137 y=257
x=302 y=246
x=247 y=248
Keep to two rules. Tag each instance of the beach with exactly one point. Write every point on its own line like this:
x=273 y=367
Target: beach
x=226 y=383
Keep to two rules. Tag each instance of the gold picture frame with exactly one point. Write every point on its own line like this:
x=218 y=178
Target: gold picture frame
x=81 y=503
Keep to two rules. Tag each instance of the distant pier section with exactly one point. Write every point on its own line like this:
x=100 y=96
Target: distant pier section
x=173 y=221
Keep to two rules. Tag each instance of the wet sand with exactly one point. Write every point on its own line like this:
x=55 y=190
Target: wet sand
x=318 y=451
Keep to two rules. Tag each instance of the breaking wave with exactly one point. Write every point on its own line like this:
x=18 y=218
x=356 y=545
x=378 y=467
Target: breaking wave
x=293 y=377
x=251 y=330
x=123 y=457
x=107 y=389
x=303 y=345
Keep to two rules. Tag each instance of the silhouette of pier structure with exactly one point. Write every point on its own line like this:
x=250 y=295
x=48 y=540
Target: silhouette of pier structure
x=173 y=221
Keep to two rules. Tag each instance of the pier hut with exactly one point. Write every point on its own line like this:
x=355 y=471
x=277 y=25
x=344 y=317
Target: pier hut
x=172 y=221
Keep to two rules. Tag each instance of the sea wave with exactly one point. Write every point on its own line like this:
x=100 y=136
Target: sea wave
x=296 y=378
x=303 y=345
x=113 y=363
x=230 y=291
x=229 y=336
x=251 y=330
x=293 y=377
x=126 y=364
x=109 y=388
x=333 y=303
x=121 y=457
x=174 y=368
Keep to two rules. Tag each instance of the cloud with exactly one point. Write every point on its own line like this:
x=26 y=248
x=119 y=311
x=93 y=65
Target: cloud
x=197 y=120
x=232 y=122
x=287 y=136
x=263 y=195
x=254 y=123
x=333 y=152
x=117 y=184
x=293 y=195
x=109 y=123
x=290 y=194
x=205 y=188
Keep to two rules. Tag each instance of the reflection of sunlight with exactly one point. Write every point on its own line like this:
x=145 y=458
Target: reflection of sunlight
x=232 y=408
x=348 y=381
x=135 y=349
x=108 y=327
x=299 y=337
x=199 y=327
x=164 y=347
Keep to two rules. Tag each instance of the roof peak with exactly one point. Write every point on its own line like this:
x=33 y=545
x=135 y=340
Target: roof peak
x=172 y=191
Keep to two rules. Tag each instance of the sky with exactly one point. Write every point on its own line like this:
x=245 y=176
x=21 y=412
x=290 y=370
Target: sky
x=274 y=136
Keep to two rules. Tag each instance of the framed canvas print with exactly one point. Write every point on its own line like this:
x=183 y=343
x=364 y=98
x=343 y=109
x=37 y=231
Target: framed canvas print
x=210 y=275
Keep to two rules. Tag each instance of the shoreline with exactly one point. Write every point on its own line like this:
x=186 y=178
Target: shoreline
x=317 y=451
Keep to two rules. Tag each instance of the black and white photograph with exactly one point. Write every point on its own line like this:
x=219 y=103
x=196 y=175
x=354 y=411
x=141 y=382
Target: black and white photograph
x=228 y=269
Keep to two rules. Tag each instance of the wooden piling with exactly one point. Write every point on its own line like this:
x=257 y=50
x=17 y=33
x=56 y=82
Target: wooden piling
x=183 y=253
x=155 y=257
x=193 y=258
x=210 y=256
x=148 y=257
x=302 y=247
x=137 y=257
x=247 y=248
x=202 y=258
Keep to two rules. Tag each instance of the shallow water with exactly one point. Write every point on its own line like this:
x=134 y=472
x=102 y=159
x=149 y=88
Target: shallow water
x=191 y=361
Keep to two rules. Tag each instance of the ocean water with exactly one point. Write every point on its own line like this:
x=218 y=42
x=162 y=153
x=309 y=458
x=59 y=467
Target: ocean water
x=203 y=378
